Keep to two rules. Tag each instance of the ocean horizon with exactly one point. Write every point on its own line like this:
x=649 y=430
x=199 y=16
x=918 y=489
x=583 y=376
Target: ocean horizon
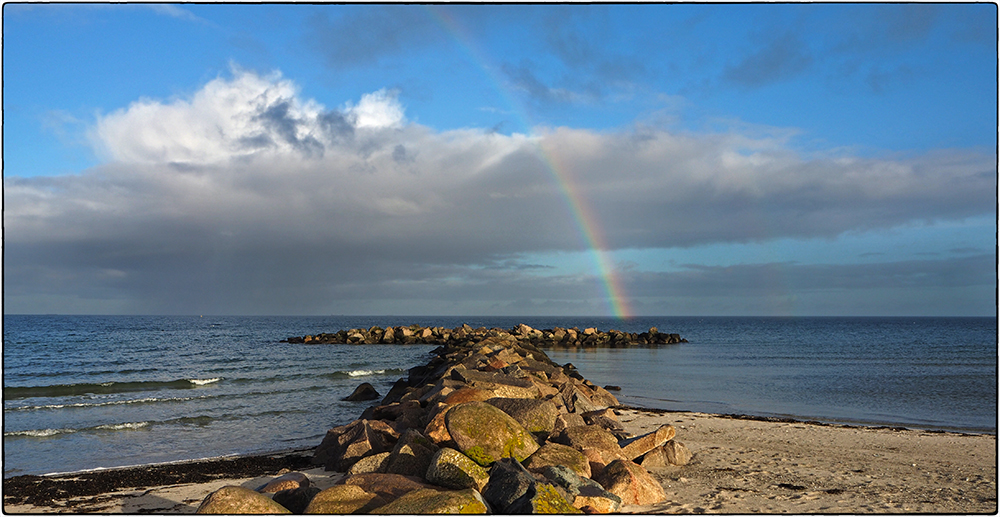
x=89 y=392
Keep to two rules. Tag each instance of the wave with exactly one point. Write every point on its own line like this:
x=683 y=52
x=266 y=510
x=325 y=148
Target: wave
x=200 y=421
x=64 y=390
x=147 y=400
x=363 y=373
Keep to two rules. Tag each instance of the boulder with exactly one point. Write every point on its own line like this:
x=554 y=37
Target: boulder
x=432 y=501
x=411 y=456
x=508 y=482
x=344 y=445
x=501 y=384
x=369 y=464
x=467 y=395
x=635 y=447
x=558 y=454
x=452 y=469
x=605 y=418
x=344 y=499
x=239 y=500
x=631 y=482
x=287 y=481
x=670 y=453
x=436 y=430
x=296 y=499
x=541 y=498
x=538 y=417
x=486 y=434
x=364 y=391
x=388 y=486
x=582 y=492
x=592 y=437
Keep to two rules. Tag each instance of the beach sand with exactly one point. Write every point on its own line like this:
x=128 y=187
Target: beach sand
x=740 y=466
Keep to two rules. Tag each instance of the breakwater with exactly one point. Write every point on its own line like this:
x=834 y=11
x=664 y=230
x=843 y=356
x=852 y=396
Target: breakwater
x=556 y=337
x=491 y=425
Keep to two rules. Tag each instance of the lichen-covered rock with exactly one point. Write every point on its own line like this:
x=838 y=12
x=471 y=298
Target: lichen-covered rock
x=239 y=500
x=640 y=445
x=541 y=498
x=631 y=482
x=343 y=500
x=582 y=492
x=432 y=501
x=486 y=434
x=452 y=469
x=388 y=486
x=537 y=416
x=558 y=454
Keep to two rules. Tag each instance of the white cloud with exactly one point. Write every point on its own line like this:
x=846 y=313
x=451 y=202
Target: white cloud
x=377 y=110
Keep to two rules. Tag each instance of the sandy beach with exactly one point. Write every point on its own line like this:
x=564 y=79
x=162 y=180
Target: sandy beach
x=740 y=466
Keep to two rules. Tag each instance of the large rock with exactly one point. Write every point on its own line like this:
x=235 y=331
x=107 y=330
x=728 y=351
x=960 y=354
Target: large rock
x=452 y=469
x=537 y=416
x=592 y=437
x=581 y=492
x=486 y=434
x=558 y=454
x=344 y=499
x=287 y=481
x=509 y=481
x=432 y=501
x=670 y=453
x=631 y=482
x=388 y=486
x=239 y=500
x=296 y=499
x=368 y=464
x=344 y=445
x=364 y=391
x=412 y=454
x=638 y=446
x=502 y=384
x=541 y=498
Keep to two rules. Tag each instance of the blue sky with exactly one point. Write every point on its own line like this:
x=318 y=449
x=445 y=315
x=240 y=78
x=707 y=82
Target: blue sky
x=790 y=159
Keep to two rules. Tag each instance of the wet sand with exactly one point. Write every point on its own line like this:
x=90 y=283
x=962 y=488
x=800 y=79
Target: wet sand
x=740 y=466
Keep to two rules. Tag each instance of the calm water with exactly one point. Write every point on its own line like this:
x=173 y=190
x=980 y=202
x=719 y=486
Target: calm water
x=83 y=392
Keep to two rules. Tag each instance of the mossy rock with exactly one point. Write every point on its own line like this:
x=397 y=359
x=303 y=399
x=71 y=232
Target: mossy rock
x=238 y=500
x=431 y=501
x=486 y=434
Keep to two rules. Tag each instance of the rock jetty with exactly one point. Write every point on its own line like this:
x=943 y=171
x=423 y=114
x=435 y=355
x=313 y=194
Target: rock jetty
x=465 y=335
x=489 y=425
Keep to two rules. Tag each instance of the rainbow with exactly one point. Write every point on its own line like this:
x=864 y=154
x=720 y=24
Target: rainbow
x=586 y=220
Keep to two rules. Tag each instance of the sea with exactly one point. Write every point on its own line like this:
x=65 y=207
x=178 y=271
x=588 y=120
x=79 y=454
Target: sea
x=93 y=392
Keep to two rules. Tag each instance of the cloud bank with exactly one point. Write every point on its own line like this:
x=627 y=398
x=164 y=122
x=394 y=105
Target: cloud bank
x=247 y=198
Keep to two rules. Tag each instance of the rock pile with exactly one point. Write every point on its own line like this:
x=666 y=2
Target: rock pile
x=487 y=427
x=464 y=335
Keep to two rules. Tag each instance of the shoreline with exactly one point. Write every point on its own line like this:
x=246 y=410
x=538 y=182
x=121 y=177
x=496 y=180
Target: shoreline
x=741 y=464
x=622 y=407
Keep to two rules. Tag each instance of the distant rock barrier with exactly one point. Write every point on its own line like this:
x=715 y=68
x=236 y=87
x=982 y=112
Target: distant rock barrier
x=486 y=426
x=459 y=336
